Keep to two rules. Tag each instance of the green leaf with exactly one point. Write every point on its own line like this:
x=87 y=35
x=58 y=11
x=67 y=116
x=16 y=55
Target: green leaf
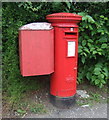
x=80 y=49
x=21 y=111
x=90 y=40
x=86 y=50
x=83 y=59
x=89 y=45
x=99 y=53
x=101 y=76
x=97 y=73
x=92 y=49
x=82 y=13
x=88 y=75
x=97 y=82
x=84 y=42
x=97 y=70
x=105 y=18
x=101 y=16
x=99 y=49
x=102 y=39
x=103 y=45
x=99 y=65
x=68 y=4
x=84 y=54
x=103 y=81
x=94 y=52
x=91 y=28
x=106 y=71
x=101 y=85
x=90 y=19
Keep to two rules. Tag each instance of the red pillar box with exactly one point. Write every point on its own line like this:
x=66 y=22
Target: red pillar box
x=36 y=49
x=63 y=81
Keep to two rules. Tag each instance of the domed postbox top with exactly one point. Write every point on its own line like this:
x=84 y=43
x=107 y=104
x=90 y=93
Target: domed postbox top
x=64 y=18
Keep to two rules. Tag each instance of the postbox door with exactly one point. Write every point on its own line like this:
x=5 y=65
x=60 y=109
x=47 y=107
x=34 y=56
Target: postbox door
x=65 y=62
x=71 y=38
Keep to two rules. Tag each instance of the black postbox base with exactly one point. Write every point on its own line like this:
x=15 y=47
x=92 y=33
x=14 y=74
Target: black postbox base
x=63 y=103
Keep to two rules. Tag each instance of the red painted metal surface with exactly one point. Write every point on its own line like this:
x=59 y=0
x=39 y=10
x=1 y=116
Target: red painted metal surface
x=63 y=81
x=36 y=52
x=63 y=18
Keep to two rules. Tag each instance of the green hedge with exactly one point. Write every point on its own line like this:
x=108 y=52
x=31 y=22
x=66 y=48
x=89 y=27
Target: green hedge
x=93 y=41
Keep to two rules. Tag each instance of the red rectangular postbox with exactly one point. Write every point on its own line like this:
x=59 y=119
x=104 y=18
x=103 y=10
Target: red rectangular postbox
x=36 y=49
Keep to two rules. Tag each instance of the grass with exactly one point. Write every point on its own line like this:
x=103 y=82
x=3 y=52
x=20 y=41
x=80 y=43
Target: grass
x=96 y=96
x=80 y=103
x=25 y=103
x=33 y=108
x=38 y=108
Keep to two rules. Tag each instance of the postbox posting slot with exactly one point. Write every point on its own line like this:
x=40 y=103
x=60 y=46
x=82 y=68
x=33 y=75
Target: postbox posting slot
x=71 y=34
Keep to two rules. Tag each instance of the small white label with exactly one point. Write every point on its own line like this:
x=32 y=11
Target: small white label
x=71 y=48
x=71 y=29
